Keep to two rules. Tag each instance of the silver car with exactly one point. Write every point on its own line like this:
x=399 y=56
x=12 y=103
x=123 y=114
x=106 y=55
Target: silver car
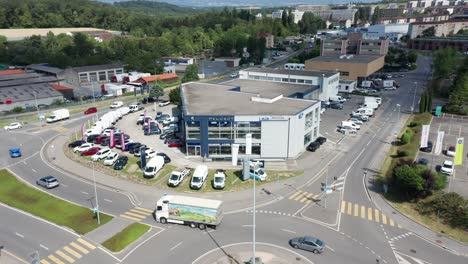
x=308 y=243
x=48 y=182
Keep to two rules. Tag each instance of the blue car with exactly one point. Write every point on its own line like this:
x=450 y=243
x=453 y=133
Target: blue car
x=15 y=152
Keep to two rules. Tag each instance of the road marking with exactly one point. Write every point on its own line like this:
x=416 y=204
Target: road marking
x=377 y=216
x=343 y=205
x=392 y=223
x=85 y=193
x=363 y=211
x=384 y=219
x=299 y=196
x=34 y=170
x=44 y=247
x=247 y=225
x=294 y=195
x=20 y=235
x=131 y=218
x=72 y=252
x=55 y=259
x=174 y=247
x=350 y=208
x=356 y=210
x=107 y=200
x=80 y=248
x=45 y=261
x=64 y=256
x=144 y=209
x=289 y=231
x=135 y=215
x=369 y=214
x=329 y=248
x=86 y=243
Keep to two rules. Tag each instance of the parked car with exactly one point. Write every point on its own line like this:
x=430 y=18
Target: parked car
x=48 y=182
x=423 y=161
x=447 y=167
x=76 y=143
x=92 y=137
x=90 y=151
x=234 y=75
x=116 y=104
x=176 y=144
x=12 y=126
x=100 y=138
x=150 y=154
x=356 y=120
x=111 y=159
x=313 y=146
x=131 y=145
x=308 y=243
x=90 y=110
x=427 y=149
x=121 y=163
x=15 y=152
x=137 y=153
x=219 y=180
x=321 y=140
x=166 y=134
x=162 y=117
x=167 y=159
x=101 y=154
x=83 y=147
x=164 y=103
x=451 y=151
x=336 y=105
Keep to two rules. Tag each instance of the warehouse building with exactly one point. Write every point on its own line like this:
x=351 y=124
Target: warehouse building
x=218 y=116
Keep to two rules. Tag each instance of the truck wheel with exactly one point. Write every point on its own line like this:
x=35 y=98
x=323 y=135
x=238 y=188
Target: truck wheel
x=202 y=226
x=193 y=225
x=163 y=220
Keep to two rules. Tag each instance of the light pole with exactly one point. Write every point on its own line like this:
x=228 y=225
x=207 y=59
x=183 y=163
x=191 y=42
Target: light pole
x=414 y=97
x=37 y=107
x=95 y=195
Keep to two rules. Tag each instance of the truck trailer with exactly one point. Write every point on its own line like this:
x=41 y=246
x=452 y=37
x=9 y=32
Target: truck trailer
x=191 y=211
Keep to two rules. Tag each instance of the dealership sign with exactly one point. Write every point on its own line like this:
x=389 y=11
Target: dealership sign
x=424 y=136
x=438 y=145
x=459 y=152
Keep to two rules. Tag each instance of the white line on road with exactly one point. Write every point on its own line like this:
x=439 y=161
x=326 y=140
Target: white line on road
x=44 y=247
x=64 y=185
x=289 y=231
x=34 y=170
x=20 y=235
x=107 y=200
x=85 y=193
x=329 y=248
x=247 y=225
x=172 y=248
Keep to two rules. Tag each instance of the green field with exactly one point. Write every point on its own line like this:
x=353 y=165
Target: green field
x=17 y=194
x=125 y=237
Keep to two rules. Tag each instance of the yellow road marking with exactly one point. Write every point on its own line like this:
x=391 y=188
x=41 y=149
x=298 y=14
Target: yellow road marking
x=55 y=259
x=369 y=214
x=316 y=196
x=45 y=261
x=131 y=218
x=391 y=222
x=64 y=256
x=356 y=210
x=377 y=216
x=384 y=219
x=299 y=196
x=135 y=215
x=86 y=243
x=294 y=195
x=144 y=209
x=363 y=211
x=80 y=248
x=139 y=212
x=73 y=252
x=310 y=198
x=350 y=208
x=343 y=206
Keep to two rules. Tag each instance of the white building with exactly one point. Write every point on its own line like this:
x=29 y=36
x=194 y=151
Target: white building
x=347 y=86
x=391 y=31
x=433 y=3
x=278 y=14
x=297 y=15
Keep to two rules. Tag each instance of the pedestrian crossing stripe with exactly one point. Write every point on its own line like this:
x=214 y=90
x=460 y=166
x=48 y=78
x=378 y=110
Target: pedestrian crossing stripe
x=137 y=214
x=371 y=214
x=303 y=197
x=69 y=253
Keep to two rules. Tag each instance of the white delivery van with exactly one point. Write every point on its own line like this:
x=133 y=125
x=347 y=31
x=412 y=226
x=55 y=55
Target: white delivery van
x=124 y=110
x=154 y=165
x=199 y=177
x=133 y=108
x=372 y=105
x=57 y=115
x=350 y=124
x=337 y=98
x=365 y=111
x=371 y=99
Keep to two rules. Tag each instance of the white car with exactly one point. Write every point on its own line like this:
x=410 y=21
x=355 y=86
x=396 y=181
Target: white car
x=83 y=147
x=234 y=75
x=356 y=120
x=164 y=103
x=13 y=126
x=101 y=154
x=107 y=132
x=150 y=153
x=447 y=167
x=451 y=151
x=116 y=104
x=390 y=88
x=111 y=159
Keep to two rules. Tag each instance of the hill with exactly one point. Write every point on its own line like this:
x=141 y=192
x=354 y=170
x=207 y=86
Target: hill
x=157 y=8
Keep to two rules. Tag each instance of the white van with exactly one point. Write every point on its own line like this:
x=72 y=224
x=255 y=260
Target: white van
x=154 y=165
x=337 y=98
x=365 y=111
x=199 y=177
x=350 y=124
x=133 y=108
x=170 y=120
x=372 y=105
x=347 y=129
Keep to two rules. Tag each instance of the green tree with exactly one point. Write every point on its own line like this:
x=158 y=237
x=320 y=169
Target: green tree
x=290 y=18
x=443 y=61
x=412 y=56
x=284 y=18
x=428 y=32
x=451 y=207
x=191 y=73
x=376 y=16
x=174 y=96
x=422 y=103
x=408 y=180
x=156 y=91
x=429 y=101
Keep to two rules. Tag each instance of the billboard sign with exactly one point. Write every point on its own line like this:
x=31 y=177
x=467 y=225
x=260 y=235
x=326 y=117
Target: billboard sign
x=459 y=152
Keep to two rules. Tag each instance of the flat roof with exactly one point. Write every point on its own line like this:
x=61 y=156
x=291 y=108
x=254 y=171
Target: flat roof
x=26 y=92
x=18 y=76
x=220 y=99
x=354 y=59
x=98 y=67
x=16 y=82
x=291 y=72
x=44 y=68
x=270 y=89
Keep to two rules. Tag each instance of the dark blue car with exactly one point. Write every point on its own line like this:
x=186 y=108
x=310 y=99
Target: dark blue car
x=15 y=152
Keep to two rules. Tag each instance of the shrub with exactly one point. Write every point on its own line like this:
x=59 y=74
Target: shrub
x=450 y=207
x=406 y=137
x=17 y=109
x=408 y=180
x=402 y=153
x=414 y=124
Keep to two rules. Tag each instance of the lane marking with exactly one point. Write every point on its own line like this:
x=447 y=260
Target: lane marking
x=343 y=205
x=131 y=218
x=327 y=246
x=107 y=200
x=363 y=211
x=34 y=170
x=356 y=210
x=377 y=215
x=135 y=215
x=294 y=195
x=289 y=231
x=64 y=185
x=350 y=208
x=144 y=209
x=20 y=235
x=44 y=247
x=85 y=193
x=139 y=212
x=369 y=214
x=64 y=256
x=45 y=261
x=384 y=219
x=174 y=247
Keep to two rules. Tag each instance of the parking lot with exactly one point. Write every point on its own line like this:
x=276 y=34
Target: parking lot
x=454 y=127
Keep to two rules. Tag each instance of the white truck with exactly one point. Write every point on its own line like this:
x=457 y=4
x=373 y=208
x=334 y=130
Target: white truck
x=371 y=99
x=177 y=177
x=58 y=115
x=388 y=84
x=367 y=84
x=191 y=211
x=372 y=105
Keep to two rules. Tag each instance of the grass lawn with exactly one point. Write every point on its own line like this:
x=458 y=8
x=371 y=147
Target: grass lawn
x=233 y=181
x=125 y=237
x=17 y=194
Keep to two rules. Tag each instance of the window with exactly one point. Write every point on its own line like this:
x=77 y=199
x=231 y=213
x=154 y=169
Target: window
x=102 y=76
x=285 y=80
x=292 y=80
x=214 y=150
x=193 y=130
x=256 y=149
x=307 y=138
x=344 y=73
x=243 y=128
x=220 y=130
x=315 y=132
x=83 y=77
x=308 y=81
x=300 y=81
x=308 y=120
x=110 y=74
x=226 y=149
x=93 y=77
x=316 y=115
x=256 y=130
x=118 y=71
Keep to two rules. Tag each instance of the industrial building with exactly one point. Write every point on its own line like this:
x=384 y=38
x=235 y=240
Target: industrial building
x=218 y=116
x=393 y=32
x=354 y=44
x=458 y=43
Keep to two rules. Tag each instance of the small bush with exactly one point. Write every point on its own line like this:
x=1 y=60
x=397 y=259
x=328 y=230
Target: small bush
x=406 y=137
x=402 y=153
x=414 y=124
x=451 y=208
x=17 y=109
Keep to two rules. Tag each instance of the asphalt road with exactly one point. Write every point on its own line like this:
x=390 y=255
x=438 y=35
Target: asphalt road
x=351 y=237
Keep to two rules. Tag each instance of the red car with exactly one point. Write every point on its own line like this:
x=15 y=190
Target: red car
x=90 y=110
x=175 y=144
x=99 y=139
x=90 y=151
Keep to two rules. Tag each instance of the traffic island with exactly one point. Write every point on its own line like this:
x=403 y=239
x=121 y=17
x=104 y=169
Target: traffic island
x=127 y=236
x=16 y=193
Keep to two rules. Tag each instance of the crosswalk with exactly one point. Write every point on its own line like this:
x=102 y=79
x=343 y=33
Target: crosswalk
x=369 y=213
x=70 y=253
x=137 y=214
x=304 y=197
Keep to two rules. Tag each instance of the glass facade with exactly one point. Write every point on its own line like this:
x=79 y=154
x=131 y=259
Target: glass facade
x=220 y=130
x=307 y=138
x=193 y=130
x=309 y=120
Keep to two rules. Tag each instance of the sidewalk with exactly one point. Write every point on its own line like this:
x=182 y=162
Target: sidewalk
x=9 y=258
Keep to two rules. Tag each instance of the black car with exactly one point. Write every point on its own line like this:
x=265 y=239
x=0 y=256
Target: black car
x=118 y=135
x=152 y=99
x=336 y=105
x=167 y=134
x=152 y=131
x=76 y=143
x=428 y=148
x=313 y=146
x=120 y=163
x=131 y=145
x=92 y=138
x=166 y=157
x=135 y=149
x=321 y=140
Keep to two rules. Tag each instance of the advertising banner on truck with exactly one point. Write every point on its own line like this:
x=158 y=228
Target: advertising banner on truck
x=424 y=136
x=459 y=152
x=192 y=213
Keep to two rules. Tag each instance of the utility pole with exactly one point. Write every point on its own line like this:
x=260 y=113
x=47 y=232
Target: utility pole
x=414 y=97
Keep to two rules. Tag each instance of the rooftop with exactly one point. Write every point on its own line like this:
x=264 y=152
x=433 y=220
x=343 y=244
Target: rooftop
x=44 y=68
x=12 y=71
x=345 y=59
x=291 y=72
x=61 y=87
x=27 y=81
x=217 y=99
x=152 y=78
x=22 y=93
x=98 y=67
x=270 y=89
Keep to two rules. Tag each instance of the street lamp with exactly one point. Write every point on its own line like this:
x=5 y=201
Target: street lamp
x=37 y=107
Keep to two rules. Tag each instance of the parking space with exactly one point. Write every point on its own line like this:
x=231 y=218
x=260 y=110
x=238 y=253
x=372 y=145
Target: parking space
x=453 y=127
